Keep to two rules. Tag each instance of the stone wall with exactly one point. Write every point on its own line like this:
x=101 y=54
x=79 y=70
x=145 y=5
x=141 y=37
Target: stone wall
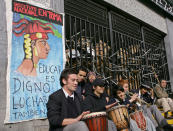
x=169 y=49
x=142 y=12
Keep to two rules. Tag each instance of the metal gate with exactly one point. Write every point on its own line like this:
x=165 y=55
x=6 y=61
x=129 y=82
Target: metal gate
x=121 y=49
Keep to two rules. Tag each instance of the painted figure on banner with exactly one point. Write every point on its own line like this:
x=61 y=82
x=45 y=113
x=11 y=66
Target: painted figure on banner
x=35 y=45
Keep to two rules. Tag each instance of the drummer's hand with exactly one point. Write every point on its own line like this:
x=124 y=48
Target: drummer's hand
x=81 y=115
x=83 y=97
x=107 y=99
x=111 y=105
x=68 y=121
x=127 y=105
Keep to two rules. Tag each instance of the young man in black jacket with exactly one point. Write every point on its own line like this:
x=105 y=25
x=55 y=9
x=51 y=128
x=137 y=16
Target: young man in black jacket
x=96 y=101
x=64 y=109
x=81 y=75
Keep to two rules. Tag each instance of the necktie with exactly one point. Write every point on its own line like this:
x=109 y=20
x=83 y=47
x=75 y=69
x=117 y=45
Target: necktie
x=70 y=99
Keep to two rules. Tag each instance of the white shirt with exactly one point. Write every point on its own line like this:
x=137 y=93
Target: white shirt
x=66 y=94
x=139 y=95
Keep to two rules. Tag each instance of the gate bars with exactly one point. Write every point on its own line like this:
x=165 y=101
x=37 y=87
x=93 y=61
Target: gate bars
x=114 y=55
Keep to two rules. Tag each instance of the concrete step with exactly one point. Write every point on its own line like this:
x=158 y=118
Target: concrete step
x=170 y=120
x=169 y=113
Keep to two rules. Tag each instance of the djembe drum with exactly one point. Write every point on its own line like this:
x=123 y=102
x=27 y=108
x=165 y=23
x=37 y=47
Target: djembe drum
x=120 y=117
x=96 y=121
x=139 y=118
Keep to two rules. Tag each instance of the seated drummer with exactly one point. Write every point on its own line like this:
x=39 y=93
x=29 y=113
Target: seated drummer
x=96 y=101
x=119 y=95
x=91 y=76
x=64 y=109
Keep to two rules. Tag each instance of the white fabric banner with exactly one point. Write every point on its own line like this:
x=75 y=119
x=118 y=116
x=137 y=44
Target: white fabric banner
x=36 y=57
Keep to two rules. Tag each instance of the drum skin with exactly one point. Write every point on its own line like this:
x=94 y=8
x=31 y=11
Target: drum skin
x=139 y=118
x=119 y=116
x=96 y=121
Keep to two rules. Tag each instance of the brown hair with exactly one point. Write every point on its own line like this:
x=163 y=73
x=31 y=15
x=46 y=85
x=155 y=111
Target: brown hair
x=65 y=74
x=122 y=82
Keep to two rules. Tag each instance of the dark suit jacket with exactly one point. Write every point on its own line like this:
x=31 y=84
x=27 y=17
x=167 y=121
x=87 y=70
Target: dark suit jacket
x=57 y=109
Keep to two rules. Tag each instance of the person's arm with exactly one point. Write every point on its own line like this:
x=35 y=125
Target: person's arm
x=111 y=100
x=54 y=111
x=131 y=106
x=147 y=98
x=110 y=105
x=103 y=108
x=88 y=105
x=128 y=102
x=152 y=93
x=107 y=99
x=158 y=91
x=68 y=121
x=133 y=98
x=165 y=94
